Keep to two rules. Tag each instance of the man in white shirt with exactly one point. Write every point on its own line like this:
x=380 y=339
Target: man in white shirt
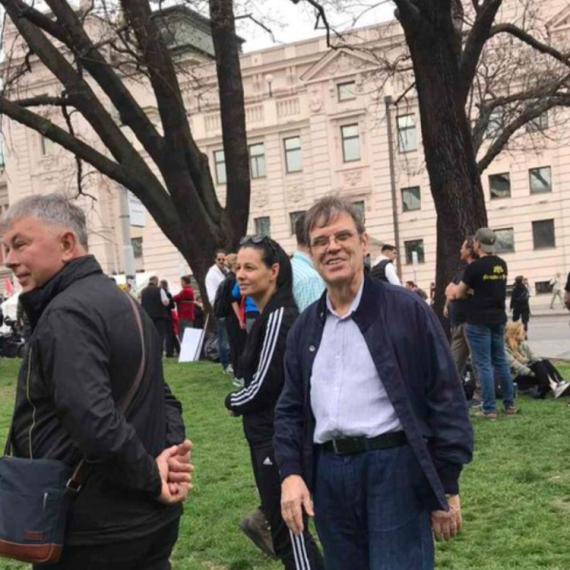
x=216 y=274
x=556 y=290
x=383 y=267
x=214 y=278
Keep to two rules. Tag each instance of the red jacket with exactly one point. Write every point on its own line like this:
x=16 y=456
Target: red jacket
x=185 y=303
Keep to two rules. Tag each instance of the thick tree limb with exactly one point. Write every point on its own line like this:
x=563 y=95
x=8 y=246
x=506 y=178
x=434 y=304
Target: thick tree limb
x=531 y=41
x=475 y=42
x=130 y=111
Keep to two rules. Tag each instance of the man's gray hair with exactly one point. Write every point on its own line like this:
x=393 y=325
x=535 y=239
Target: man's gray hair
x=329 y=208
x=52 y=209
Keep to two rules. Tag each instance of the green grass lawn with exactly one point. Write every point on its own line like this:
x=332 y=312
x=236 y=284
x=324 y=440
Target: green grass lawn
x=515 y=494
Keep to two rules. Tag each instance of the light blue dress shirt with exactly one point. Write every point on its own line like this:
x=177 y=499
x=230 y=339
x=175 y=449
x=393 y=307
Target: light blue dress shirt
x=308 y=285
x=348 y=397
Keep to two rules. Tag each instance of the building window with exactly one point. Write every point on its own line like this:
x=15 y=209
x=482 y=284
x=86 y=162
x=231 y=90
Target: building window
x=220 y=164
x=540 y=180
x=417 y=246
x=345 y=91
x=350 y=143
x=257 y=160
x=407 y=139
x=293 y=217
x=293 y=161
x=505 y=240
x=500 y=185
x=360 y=207
x=538 y=124
x=137 y=244
x=542 y=287
x=263 y=226
x=411 y=199
x=543 y=234
x=46 y=146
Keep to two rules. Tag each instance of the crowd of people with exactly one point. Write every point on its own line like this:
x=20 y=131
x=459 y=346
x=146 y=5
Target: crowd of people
x=349 y=392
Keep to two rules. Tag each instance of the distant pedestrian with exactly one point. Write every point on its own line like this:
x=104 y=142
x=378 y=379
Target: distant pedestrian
x=556 y=285
x=169 y=339
x=185 y=303
x=456 y=310
x=486 y=281
x=308 y=285
x=214 y=278
x=155 y=302
x=383 y=266
x=520 y=302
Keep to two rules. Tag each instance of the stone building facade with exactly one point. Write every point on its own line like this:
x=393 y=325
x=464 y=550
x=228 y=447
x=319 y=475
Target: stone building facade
x=318 y=121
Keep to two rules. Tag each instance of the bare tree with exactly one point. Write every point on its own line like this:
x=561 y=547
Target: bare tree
x=482 y=87
x=92 y=53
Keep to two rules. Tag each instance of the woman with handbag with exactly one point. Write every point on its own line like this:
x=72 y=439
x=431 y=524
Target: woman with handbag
x=533 y=374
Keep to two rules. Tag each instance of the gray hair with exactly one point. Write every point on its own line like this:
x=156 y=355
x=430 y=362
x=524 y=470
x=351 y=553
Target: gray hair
x=329 y=208
x=52 y=209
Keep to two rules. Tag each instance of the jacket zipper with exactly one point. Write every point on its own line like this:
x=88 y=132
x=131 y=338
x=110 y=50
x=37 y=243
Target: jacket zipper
x=31 y=404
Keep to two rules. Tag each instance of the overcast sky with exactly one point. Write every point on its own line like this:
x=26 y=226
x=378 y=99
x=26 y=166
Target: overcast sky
x=293 y=22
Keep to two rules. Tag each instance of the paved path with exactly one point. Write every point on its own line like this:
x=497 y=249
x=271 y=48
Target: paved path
x=549 y=335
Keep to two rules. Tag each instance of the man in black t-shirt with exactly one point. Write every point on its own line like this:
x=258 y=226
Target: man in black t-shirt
x=456 y=309
x=486 y=281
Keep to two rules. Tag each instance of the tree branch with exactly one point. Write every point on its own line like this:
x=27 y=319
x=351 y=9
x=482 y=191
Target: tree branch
x=562 y=100
x=43 y=100
x=130 y=111
x=531 y=41
x=475 y=42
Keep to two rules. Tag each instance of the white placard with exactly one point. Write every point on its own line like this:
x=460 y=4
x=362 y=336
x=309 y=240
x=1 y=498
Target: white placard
x=137 y=211
x=191 y=345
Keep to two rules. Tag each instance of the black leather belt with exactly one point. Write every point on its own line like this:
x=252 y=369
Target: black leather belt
x=352 y=445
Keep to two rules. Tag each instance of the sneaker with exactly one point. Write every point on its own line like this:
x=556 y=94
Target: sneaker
x=511 y=411
x=238 y=382
x=229 y=370
x=492 y=416
x=560 y=389
x=256 y=528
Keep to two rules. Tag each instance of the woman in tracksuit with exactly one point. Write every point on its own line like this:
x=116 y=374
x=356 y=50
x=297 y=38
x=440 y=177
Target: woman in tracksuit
x=264 y=273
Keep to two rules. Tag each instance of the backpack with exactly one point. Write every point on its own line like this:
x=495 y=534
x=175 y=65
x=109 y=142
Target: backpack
x=379 y=270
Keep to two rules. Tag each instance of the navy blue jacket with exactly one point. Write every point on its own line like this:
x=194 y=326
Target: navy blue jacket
x=414 y=361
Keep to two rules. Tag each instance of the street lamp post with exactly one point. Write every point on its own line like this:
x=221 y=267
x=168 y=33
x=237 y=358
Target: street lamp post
x=127 y=246
x=388 y=103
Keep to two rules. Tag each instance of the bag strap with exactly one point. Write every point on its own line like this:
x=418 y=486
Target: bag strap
x=82 y=470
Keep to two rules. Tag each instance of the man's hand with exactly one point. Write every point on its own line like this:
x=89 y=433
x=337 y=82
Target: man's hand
x=179 y=466
x=295 y=498
x=171 y=493
x=446 y=524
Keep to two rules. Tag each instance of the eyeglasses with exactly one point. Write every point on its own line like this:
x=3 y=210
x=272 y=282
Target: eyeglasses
x=258 y=240
x=322 y=242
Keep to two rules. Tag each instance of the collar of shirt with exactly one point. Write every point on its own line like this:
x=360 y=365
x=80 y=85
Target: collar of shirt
x=353 y=307
x=303 y=257
x=379 y=259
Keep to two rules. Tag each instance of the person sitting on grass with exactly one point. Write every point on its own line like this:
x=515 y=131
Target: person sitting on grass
x=534 y=375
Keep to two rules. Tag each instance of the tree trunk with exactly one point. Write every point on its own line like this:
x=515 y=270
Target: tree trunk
x=450 y=160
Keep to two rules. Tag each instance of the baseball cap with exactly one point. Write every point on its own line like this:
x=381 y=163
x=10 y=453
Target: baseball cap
x=487 y=239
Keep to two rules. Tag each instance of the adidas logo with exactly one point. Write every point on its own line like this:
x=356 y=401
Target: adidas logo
x=267 y=461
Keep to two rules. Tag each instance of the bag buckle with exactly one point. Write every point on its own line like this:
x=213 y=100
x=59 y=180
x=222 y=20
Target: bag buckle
x=73 y=487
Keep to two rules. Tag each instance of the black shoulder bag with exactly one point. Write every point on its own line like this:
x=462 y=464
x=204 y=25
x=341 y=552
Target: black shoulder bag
x=36 y=494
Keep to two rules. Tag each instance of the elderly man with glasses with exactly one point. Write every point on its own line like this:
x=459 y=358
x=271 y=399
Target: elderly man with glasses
x=372 y=421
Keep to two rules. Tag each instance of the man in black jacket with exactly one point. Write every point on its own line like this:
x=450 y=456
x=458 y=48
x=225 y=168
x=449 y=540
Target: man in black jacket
x=372 y=417
x=84 y=353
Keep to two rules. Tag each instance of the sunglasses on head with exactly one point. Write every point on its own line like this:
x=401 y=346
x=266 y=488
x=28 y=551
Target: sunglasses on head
x=258 y=240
